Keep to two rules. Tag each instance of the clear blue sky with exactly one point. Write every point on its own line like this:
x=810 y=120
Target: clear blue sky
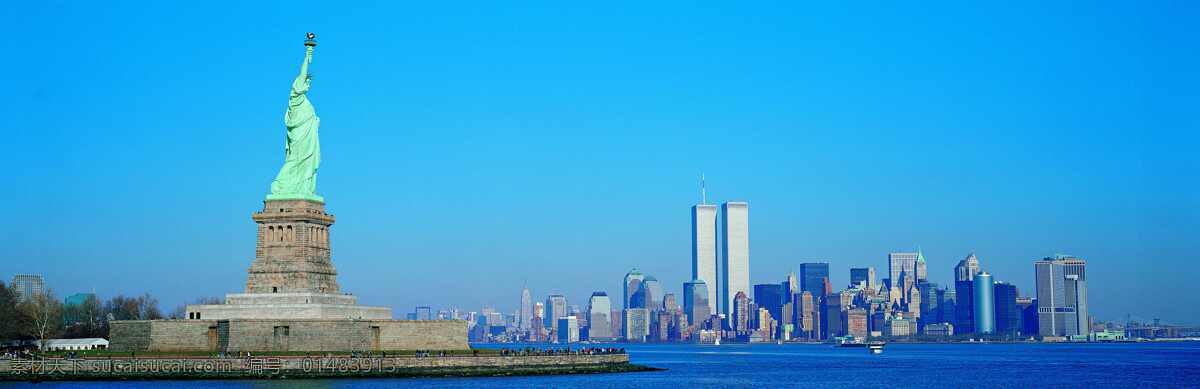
x=472 y=148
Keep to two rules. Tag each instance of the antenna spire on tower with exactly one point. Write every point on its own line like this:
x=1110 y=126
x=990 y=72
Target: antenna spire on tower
x=703 y=195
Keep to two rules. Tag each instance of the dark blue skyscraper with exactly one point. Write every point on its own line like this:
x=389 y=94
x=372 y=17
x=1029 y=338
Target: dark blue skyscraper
x=770 y=296
x=1008 y=315
x=812 y=277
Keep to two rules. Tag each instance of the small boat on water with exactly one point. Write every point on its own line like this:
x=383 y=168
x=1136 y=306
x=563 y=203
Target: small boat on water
x=875 y=347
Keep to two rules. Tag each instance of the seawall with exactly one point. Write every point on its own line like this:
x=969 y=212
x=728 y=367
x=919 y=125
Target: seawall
x=308 y=367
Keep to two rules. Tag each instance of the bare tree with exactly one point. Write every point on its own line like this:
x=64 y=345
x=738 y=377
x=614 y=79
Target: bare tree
x=45 y=316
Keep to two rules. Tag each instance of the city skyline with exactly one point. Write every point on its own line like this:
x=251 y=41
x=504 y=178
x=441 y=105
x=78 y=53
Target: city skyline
x=562 y=154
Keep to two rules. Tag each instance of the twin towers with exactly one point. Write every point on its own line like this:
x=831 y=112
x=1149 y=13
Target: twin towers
x=734 y=247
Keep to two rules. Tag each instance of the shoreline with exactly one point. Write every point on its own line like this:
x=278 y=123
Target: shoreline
x=130 y=369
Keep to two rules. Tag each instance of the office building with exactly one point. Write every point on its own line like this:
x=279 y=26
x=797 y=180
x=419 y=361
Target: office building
x=526 y=311
x=568 y=329
x=1008 y=313
x=1029 y=317
x=599 y=321
x=556 y=307
x=770 y=297
x=967 y=268
x=423 y=313
x=27 y=285
x=654 y=293
x=637 y=324
x=984 y=304
x=704 y=247
x=813 y=276
x=831 y=316
x=741 y=313
x=695 y=301
x=1058 y=314
x=855 y=322
x=632 y=285
x=1076 y=290
x=735 y=251
x=902 y=270
x=669 y=303
x=864 y=276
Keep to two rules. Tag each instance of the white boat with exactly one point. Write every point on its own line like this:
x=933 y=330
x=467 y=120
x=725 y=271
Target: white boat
x=875 y=347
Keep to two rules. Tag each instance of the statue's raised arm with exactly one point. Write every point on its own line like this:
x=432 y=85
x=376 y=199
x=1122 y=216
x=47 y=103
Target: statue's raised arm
x=297 y=179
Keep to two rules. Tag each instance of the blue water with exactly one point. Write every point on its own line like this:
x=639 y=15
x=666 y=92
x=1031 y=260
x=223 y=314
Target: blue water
x=900 y=366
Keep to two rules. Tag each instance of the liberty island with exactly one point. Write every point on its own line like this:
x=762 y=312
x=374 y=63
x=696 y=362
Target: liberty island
x=293 y=319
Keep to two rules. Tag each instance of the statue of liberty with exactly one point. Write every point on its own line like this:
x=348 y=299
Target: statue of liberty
x=297 y=179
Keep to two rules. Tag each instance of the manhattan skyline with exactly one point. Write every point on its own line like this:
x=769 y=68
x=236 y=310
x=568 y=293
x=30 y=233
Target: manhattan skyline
x=563 y=153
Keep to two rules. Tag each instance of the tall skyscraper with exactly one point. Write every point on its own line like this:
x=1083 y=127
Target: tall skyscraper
x=812 y=278
x=568 y=329
x=740 y=319
x=735 y=253
x=633 y=284
x=637 y=324
x=704 y=245
x=1076 y=290
x=902 y=270
x=556 y=307
x=526 y=312
x=967 y=268
x=1058 y=314
x=984 y=304
x=599 y=322
x=669 y=303
x=921 y=270
x=695 y=301
x=964 y=275
x=770 y=296
x=423 y=313
x=654 y=293
x=1008 y=313
x=863 y=276
x=27 y=286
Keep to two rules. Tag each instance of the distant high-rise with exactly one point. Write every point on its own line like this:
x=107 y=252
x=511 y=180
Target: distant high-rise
x=599 y=322
x=740 y=320
x=863 y=276
x=921 y=270
x=525 y=321
x=1076 y=290
x=770 y=296
x=654 y=293
x=902 y=270
x=695 y=301
x=1058 y=313
x=424 y=313
x=964 y=274
x=556 y=307
x=669 y=303
x=633 y=284
x=984 y=304
x=568 y=329
x=735 y=253
x=637 y=324
x=812 y=278
x=966 y=270
x=1008 y=313
x=28 y=285
x=704 y=245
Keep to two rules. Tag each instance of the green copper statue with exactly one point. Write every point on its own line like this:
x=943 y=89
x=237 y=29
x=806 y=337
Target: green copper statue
x=297 y=179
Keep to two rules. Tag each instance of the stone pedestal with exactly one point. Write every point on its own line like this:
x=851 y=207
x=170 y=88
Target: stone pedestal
x=292 y=254
x=292 y=276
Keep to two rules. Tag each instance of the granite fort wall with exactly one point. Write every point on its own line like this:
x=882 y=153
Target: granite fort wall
x=300 y=367
x=288 y=335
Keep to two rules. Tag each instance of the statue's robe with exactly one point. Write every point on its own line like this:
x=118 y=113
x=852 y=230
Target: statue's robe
x=298 y=176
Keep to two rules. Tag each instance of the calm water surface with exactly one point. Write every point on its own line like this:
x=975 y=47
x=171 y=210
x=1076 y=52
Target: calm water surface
x=768 y=365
